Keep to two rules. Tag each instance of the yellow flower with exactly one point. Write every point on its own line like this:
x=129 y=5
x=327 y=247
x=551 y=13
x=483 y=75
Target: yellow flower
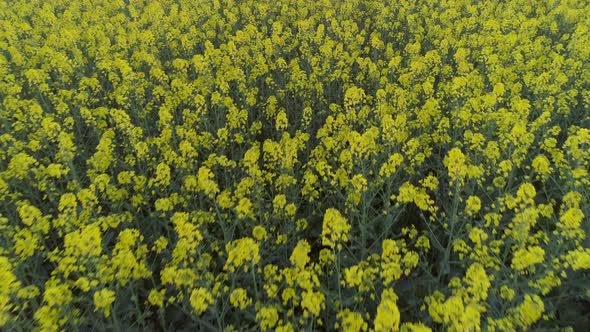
x=163 y=204
x=473 y=205
x=25 y=243
x=160 y=244
x=299 y=258
x=206 y=183
x=388 y=315
x=391 y=269
x=526 y=193
x=527 y=257
x=353 y=276
x=572 y=199
x=85 y=242
x=312 y=302
x=240 y=253
x=56 y=170
x=288 y=327
x=48 y=318
x=530 y=310
x=244 y=209
x=259 y=233
x=477 y=235
x=141 y=149
x=415 y=327
x=326 y=257
x=125 y=177
x=507 y=293
x=20 y=165
x=579 y=259
x=282 y=121
x=239 y=298
x=352 y=321
x=407 y=193
x=128 y=258
x=353 y=96
x=456 y=165
x=542 y=166
x=388 y=168
x=103 y=300
x=8 y=287
x=103 y=157
x=423 y=242
x=288 y=294
x=87 y=199
x=163 y=176
x=571 y=219
x=279 y=203
x=67 y=203
x=479 y=282
x=359 y=185
x=267 y=317
x=335 y=229
x=547 y=283
x=156 y=297
x=290 y=209
x=28 y=292
x=57 y=295
x=200 y=300
x=224 y=200
x=430 y=182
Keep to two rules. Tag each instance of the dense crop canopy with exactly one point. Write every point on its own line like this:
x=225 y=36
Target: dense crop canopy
x=294 y=165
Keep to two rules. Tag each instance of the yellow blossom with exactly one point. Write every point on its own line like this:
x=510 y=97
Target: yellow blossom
x=245 y=209
x=259 y=233
x=267 y=317
x=239 y=298
x=352 y=321
x=473 y=205
x=335 y=228
x=456 y=165
x=156 y=297
x=530 y=310
x=103 y=300
x=312 y=302
x=200 y=300
x=388 y=315
x=242 y=252
x=206 y=183
x=527 y=257
x=299 y=257
x=282 y=122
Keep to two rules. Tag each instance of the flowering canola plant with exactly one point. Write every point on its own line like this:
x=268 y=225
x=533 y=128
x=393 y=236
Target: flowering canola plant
x=294 y=165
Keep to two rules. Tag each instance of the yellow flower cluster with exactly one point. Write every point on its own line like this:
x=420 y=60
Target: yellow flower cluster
x=242 y=253
x=335 y=229
x=103 y=300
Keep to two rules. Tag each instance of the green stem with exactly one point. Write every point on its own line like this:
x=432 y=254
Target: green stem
x=453 y=220
x=254 y=280
x=337 y=266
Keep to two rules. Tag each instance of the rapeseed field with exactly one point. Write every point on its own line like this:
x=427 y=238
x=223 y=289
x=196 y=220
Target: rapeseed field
x=354 y=165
